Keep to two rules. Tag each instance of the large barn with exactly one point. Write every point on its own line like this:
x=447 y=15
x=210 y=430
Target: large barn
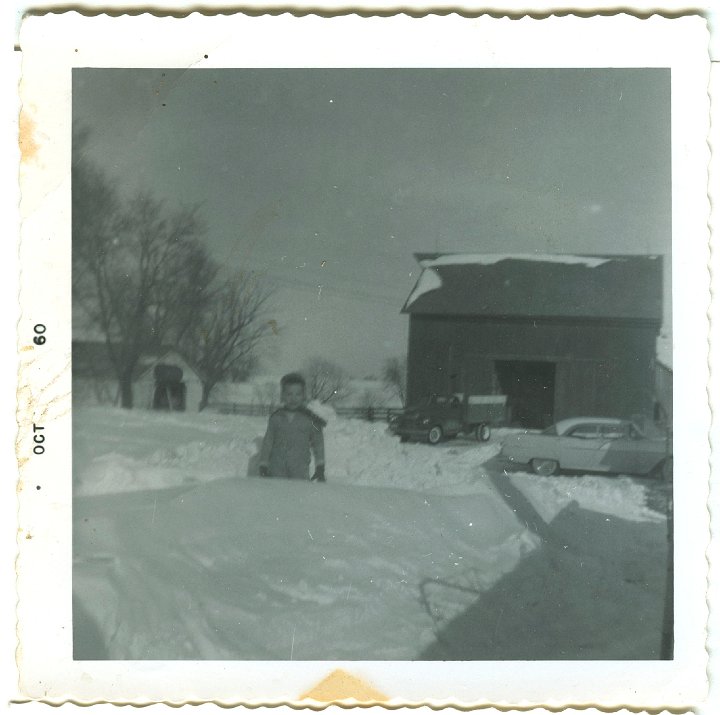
x=560 y=335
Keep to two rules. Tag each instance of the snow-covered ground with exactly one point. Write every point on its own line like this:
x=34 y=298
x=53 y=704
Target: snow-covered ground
x=181 y=553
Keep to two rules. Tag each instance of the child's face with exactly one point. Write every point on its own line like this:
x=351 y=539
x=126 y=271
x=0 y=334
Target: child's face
x=293 y=396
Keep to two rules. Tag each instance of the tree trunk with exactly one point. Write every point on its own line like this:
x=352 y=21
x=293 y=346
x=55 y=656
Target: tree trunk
x=206 y=390
x=126 y=391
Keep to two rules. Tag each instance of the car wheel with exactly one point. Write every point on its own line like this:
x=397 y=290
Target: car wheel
x=482 y=433
x=544 y=467
x=404 y=438
x=435 y=434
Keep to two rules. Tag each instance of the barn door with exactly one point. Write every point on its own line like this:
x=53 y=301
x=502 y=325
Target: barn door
x=530 y=389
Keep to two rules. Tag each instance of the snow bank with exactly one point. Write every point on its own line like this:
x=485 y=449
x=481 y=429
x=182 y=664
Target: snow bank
x=325 y=412
x=116 y=451
x=621 y=497
x=249 y=569
x=156 y=453
x=221 y=566
x=364 y=453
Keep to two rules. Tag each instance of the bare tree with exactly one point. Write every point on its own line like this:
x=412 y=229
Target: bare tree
x=229 y=330
x=370 y=401
x=326 y=381
x=267 y=395
x=139 y=270
x=96 y=214
x=244 y=369
x=394 y=376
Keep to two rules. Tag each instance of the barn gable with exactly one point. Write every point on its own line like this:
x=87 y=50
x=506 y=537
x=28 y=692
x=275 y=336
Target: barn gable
x=599 y=287
x=560 y=336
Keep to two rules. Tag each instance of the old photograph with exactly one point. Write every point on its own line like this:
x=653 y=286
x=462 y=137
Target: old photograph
x=364 y=360
x=372 y=364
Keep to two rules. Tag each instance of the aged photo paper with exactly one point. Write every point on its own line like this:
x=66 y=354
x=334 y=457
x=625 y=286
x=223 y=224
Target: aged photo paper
x=364 y=358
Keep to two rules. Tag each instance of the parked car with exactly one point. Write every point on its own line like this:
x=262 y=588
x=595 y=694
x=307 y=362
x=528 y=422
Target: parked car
x=591 y=444
x=445 y=416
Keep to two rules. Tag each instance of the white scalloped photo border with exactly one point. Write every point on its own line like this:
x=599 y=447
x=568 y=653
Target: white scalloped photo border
x=52 y=45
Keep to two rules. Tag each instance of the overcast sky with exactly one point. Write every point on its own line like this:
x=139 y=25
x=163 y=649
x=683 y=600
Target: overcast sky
x=329 y=180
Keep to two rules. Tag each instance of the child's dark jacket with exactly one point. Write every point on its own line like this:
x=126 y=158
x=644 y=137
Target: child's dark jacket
x=290 y=436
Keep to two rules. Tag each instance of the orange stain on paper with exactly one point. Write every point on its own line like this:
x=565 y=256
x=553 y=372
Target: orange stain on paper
x=341 y=685
x=28 y=146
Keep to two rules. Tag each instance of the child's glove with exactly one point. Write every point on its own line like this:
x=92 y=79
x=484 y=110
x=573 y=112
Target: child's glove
x=264 y=471
x=319 y=475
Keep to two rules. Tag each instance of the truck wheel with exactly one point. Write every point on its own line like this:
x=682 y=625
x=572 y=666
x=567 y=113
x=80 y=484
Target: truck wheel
x=435 y=434
x=482 y=433
x=544 y=467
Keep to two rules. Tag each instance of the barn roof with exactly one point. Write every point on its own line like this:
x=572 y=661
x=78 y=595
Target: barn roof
x=90 y=358
x=540 y=286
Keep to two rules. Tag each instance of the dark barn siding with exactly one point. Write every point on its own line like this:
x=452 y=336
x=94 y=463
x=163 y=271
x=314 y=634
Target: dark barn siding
x=602 y=367
x=664 y=393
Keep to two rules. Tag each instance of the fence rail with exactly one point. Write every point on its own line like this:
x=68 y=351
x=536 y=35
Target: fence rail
x=371 y=414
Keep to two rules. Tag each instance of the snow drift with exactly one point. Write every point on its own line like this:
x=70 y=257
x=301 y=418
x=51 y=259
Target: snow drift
x=249 y=569
x=180 y=553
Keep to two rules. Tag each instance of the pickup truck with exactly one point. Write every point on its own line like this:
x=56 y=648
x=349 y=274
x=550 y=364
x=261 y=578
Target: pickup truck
x=441 y=417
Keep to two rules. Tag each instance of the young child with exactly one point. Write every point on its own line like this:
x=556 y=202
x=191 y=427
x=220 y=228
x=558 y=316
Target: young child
x=292 y=432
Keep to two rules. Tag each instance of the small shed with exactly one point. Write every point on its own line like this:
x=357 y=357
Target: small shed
x=560 y=335
x=167 y=382
x=163 y=379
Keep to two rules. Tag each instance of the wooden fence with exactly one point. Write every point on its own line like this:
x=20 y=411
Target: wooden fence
x=372 y=414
